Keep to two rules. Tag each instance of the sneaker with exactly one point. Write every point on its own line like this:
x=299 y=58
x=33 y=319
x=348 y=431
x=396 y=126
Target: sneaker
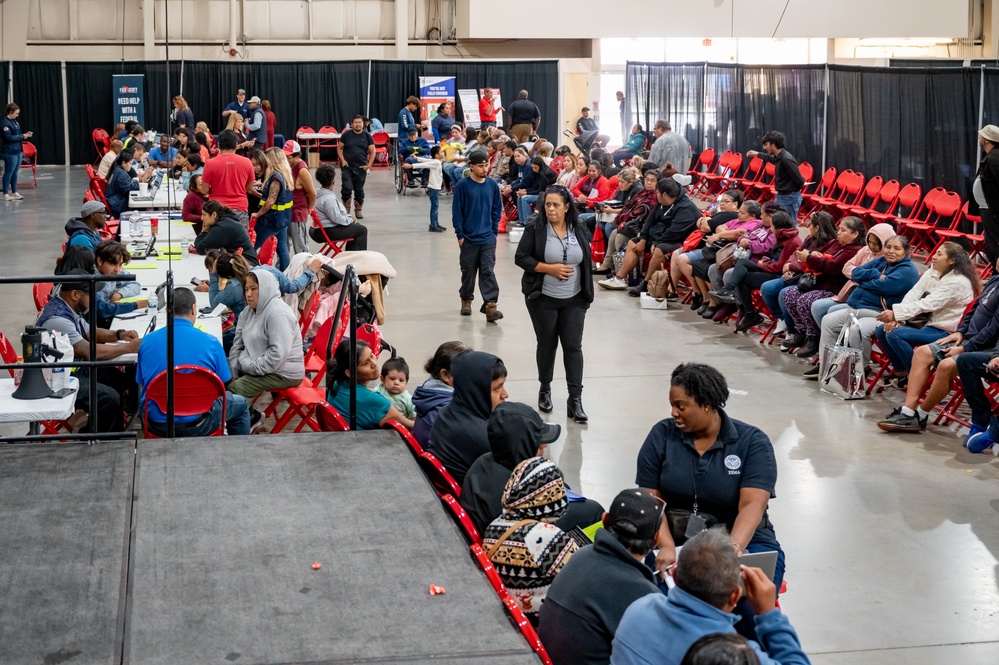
x=812 y=374
x=6 y=197
x=900 y=422
x=601 y=271
x=780 y=329
x=436 y=229
x=792 y=342
x=256 y=419
x=725 y=295
x=975 y=429
x=810 y=348
x=748 y=321
x=980 y=442
x=638 y=290
x=672 y=295
x=16 y=197
x=613 y=283
x=697 y=302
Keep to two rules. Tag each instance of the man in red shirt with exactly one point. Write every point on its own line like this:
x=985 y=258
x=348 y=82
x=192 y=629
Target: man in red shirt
x=488 y=108
x=228 y=177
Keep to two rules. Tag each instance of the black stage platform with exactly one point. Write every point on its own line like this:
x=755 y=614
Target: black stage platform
x=224 y=535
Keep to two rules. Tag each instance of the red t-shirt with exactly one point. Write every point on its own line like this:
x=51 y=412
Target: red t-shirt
x=487 y=109
x=228 y=175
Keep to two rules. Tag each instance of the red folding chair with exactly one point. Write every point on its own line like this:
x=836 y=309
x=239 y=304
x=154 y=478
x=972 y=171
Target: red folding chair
x=41 y=293
x=330 y=143
x=462 y=519
x=29 y=160
x=976 y=240
x=438 y=476
x=102 y=143
x=943 y=213
x=717 y=181
x=763 y=188
x=7 y=352
x=330 y=247
x=407 y=436
x=753 y=172
x=309 y=312
x=824 y=186
x=904 y=205
x=383 y=159
x=268 y=251
x=329 y=419
x=703 y=166
x=526 y=629
x=315 y=357
x=195 y=391
x=866 y=198
x=884 y=204
x=301 y=401
x=306 y=144
x=838 y=193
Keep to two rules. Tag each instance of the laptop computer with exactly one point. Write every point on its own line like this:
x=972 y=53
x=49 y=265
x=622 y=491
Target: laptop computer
x=154 y=187
x=148 y=250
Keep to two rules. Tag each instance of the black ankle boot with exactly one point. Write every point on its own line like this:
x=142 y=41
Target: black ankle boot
x=545 y=401
x=575 y=409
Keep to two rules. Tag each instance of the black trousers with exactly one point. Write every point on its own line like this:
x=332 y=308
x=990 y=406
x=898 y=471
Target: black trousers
x=559 y=321
x=109 y=416
x=352 y=183
x=478 y=260
x=991 y=230
x=355 y=233
x=747 y=277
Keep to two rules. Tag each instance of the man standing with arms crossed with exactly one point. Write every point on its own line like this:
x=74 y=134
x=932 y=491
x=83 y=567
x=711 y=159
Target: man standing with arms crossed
x=303 y=197
x=356 y=151
x=787 y=179
x=475 y=215
x=488 y=109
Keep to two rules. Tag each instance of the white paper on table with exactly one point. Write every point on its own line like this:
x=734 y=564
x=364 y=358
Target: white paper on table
x=215 y=312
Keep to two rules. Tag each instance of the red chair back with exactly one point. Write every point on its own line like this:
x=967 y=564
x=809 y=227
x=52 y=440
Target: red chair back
x=87 y=196
x=7 y=352
x=267 y=251
x=407 y=436
x=29 y=150
x=908 y=197
x=807 y=172
x=462 y=519
x=946 y=205
x=195 y=391
x=706 y=159
x=326 y=129
x=489 y=569
x=316 y=357
x=370 y=334
x=753 y=170
x=91 y=173
x=888 y=196
x=330 y=419
x=438 y=476
x=102 y=142
x=381 y=139
x=41 y=293
x=309 y=312
x=828 y=179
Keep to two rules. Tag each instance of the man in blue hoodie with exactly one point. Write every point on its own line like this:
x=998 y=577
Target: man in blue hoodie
x=476 y=207
x=658 y=629
x=83 y=230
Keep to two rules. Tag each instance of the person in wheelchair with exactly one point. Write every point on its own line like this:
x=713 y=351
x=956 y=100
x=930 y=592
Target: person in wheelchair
x=411 y=147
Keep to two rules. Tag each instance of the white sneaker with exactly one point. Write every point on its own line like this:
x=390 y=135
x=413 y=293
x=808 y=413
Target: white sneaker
x=16 y=197
x=6 y=197
x=781 y=328
x=613 y=283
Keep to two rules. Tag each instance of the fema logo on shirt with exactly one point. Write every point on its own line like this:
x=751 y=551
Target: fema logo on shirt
x=733 y=464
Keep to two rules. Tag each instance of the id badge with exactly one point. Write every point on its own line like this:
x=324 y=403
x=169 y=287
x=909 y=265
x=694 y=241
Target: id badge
x=695 y=525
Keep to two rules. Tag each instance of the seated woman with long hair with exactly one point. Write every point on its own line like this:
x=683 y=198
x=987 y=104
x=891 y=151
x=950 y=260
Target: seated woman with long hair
x=637 y=208
x=879 y=284
x=729 y=203
x=373 y=410
x=826 y=263
x=930 y=311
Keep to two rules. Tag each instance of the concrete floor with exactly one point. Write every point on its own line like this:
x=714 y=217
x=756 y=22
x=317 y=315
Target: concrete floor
x=892 y=541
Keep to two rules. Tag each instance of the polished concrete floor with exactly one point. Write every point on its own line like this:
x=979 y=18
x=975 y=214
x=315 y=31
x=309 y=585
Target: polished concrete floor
x=892 y=541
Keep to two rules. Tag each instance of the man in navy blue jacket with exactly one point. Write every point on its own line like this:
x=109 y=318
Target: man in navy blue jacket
x=475 y=214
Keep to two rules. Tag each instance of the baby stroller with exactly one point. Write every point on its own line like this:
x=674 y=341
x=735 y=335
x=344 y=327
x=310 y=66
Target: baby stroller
x=588 y=140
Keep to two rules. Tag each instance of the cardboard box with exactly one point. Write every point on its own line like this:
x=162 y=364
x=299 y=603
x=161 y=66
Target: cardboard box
x=648 y=302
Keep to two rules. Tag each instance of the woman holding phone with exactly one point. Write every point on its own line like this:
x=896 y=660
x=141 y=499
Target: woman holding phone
x=11 y=149
x=558 y=288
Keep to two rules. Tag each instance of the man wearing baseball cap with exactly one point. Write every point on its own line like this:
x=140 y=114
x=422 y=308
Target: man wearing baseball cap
x=239 y=106
x=985 y=191
x=356 y=152
x=476 y=207
x=256 y=123
x=83 y=230
x=585 y=122
x=303 y=197
x=588 y=598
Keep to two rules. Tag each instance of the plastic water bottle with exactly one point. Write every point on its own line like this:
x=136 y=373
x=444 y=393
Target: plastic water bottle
x=152 y=301
x=58 y=378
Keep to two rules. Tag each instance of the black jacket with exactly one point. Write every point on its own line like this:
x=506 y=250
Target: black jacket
x=524 y=112
x=227 y=233
x=787 y=177
x=671 y=224
x=988 y=171
x=587 y=599
x=458 y=437
x=531 y=252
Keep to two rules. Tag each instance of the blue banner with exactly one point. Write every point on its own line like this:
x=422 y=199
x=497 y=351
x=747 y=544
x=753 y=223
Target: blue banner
x=129 y=99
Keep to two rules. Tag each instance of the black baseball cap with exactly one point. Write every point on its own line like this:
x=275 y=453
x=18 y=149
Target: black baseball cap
x=636 y=513
x=478 y=157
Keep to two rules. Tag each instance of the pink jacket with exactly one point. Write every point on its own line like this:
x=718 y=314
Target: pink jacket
x=883 y=232
x=761 y=241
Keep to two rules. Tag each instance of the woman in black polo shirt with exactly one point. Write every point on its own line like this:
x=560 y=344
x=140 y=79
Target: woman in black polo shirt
x=558 y=288
x=709 y=468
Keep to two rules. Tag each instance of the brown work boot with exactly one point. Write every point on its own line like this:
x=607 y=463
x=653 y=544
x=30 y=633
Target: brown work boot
x=466 y=307
x=492 y=314
x=357 y=210
x=346 y=205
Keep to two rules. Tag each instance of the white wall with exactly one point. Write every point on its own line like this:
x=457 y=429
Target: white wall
x=579 y=19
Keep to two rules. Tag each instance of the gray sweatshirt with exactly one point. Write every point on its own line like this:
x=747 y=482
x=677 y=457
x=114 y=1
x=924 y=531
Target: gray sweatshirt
x=267 y=338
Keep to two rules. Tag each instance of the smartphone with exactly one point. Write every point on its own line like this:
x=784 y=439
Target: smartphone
x=65 y=392
x=207 y=310
x=195 y=281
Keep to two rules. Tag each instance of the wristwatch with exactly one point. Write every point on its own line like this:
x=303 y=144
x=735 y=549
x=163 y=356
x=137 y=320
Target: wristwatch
x=117 y=334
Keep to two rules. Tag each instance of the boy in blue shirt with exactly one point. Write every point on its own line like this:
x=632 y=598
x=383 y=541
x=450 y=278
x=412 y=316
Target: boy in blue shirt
x=411 y=147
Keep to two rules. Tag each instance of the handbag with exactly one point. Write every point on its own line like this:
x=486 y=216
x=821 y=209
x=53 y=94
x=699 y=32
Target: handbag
x=919 y=320
x=841 y=367
x=711 y=251
x=658 y=286
x=598 y=246
x=725 y=257
x=807 y=282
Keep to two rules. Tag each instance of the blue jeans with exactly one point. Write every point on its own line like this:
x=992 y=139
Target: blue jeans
x=263 y=233
x=11 y=165
x=237 y=420
x=773 y=296
x=791 y=203
x=900 y=343
x=434 y=195
x=971 y=369
x=453 y=172
x=524 y=207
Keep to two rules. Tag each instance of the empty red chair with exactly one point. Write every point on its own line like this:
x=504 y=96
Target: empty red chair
x=383 y=159
x=763 y=188
x=808 y=203
x=945 y=213
x=976 y=240
x=330 y=142
x=905 y=203
x=41 y=293
x=29 y=160
x=267 y=251
x=753 y=172
x=195 y=391
x=915 y=224
x=306 y=143
x=102 y=142
x=866 y=198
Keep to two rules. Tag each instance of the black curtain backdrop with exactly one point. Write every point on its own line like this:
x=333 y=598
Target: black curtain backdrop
x=674 y=92
x=38 y=92
x=916 y=125
x=391 y=84
x=991 y=110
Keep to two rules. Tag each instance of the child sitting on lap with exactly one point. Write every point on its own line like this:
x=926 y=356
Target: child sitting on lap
x=395 y=377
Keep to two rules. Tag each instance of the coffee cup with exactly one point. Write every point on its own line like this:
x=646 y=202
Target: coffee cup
x=143 y=188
